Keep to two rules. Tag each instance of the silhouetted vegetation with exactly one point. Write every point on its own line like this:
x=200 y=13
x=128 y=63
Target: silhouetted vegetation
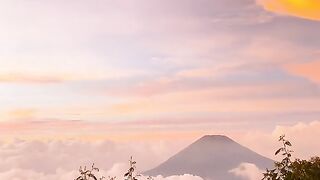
x=298 y=169
x=88 y=174
x=129 y=175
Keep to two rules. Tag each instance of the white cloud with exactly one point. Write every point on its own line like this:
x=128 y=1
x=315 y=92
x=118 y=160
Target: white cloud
x=19 y=174
x=117 y=170
x=60 y=159
x=302 y=136
x=24 y=174
x=181 y=177
x=247 y=171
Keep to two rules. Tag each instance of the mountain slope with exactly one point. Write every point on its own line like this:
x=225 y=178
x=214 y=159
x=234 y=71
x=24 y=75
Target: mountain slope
x=210 y=157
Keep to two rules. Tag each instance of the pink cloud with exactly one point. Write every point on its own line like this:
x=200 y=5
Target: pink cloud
x=308 y=70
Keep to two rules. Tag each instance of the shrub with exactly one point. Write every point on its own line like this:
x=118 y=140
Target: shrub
x=298 y=169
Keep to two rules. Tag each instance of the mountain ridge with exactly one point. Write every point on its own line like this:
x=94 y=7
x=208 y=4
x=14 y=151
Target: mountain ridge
x=210 y=157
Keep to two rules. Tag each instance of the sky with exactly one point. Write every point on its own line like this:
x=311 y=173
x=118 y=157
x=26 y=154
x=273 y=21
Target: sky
x=154 y=71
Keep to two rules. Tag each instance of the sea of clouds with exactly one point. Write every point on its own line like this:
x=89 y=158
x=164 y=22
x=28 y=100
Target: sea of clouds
x=61 y=159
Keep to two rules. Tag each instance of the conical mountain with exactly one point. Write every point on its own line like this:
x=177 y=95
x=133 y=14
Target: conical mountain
x=210 y=157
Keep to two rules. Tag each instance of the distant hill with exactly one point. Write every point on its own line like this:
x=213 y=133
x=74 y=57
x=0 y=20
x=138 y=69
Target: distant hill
x=210 y=157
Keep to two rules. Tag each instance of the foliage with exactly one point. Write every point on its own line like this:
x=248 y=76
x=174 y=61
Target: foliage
x=298 y=169
x=130 y=175
x=88 y=174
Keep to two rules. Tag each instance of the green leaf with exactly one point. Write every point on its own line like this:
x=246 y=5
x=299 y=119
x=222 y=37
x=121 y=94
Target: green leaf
x=277 y=152
x=288 y=143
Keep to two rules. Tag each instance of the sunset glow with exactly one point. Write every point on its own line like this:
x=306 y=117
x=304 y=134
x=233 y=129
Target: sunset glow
x=103 y=80
x=309 y=9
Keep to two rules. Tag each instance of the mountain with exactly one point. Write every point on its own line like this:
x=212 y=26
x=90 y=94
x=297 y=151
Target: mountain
x=210 y=157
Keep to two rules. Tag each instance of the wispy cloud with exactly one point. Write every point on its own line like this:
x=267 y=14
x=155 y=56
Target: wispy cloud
x=308 y=70
x=143 y=60
x=30 y=79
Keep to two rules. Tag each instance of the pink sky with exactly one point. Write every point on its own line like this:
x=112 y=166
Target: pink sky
x=154 y=71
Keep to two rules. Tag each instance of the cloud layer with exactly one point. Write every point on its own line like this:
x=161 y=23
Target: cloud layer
x=60 y=159
x=115 y=61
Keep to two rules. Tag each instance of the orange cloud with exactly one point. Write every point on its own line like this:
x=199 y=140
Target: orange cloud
x=308 y=70
x=308 y=9
x=22 y=113
x=27 y=78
